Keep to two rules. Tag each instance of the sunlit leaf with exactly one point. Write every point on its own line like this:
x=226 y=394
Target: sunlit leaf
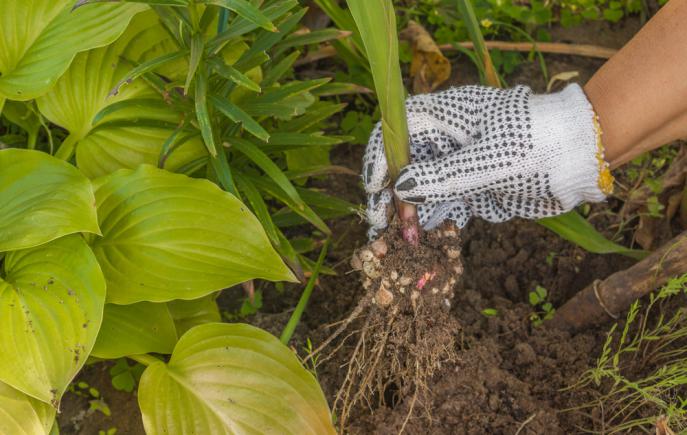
x=132 y=134
x=167 y=236
x=39 y=38
x=135 y=329
x=51 y=307
x=23 y=415
x=230 y=379
x=41 y=199
x=576 y=229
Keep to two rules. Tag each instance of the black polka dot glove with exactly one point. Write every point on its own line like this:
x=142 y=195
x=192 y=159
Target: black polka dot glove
x=493 y=153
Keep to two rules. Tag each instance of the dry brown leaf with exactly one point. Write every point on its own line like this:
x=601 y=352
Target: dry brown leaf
x=561 y=77
x=662 y=427
x=429 y=68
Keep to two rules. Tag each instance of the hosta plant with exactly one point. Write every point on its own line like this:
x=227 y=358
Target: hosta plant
x=154 y=153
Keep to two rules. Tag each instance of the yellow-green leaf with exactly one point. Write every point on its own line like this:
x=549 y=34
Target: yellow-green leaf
x=41 y=199
x=167 y=236
x=23 y=415
x=133 y=133
x=51 y=307
x=39 y=38
x=232 y=379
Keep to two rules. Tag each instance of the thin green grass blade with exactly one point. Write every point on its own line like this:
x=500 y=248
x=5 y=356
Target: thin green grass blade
x=472 y=26
x=574 y=228
x=194 y=61
x=147 y=67
x=236 y=76
x=202 y=113
x=277 y=71
x=240 y=26
x=236 y=114
x=246 y=10
x=376 y=22
x=269 y=187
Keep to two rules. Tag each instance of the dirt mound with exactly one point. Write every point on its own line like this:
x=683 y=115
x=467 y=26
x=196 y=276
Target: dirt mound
x=506 y=374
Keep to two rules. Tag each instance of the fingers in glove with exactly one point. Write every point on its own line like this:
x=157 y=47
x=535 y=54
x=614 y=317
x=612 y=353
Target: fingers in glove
x=438 y=124
x=492 y=207
x=434 y=214
x=377 y=212
x=468 y=172
x=375 y=169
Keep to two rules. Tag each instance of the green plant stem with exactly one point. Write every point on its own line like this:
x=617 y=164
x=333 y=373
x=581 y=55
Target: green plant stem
x=303 y=301
x=470 y=20
x=144 y=359
x=376 y=22
x=67 y=147
x=222 y=21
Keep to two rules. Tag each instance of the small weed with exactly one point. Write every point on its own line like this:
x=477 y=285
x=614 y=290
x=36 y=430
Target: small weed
x=311 y=363
x=248 y=308
x=124 y=377
x=490 y=312
x=641 y=374
x=550 y=257
x=544 y=310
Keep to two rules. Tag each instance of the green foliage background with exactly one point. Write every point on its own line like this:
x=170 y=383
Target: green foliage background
x=152 y=156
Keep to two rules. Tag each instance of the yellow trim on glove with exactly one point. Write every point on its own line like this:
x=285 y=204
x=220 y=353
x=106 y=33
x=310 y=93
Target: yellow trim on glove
x=605 y=178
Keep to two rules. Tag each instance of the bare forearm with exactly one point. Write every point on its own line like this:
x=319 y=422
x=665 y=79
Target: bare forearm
x=640 y=94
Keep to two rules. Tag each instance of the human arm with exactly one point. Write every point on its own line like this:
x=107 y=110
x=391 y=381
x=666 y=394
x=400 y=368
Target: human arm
x=640 y=94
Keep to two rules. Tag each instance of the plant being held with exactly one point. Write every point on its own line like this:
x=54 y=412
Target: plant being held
x=544 y=310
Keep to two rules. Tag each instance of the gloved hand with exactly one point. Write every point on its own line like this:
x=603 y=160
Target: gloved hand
x=493 y=153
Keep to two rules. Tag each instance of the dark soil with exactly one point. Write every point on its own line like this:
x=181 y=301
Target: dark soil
x=505 y=371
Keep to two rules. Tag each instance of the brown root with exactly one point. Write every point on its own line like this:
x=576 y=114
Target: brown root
x=405 y=332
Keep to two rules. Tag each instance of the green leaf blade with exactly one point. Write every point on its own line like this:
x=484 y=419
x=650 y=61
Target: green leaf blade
x=576 y=229
x=51 y=308
x=246 y=10
x=38 y=51
x=23 y=415
x=167 y=236
x=236 y=114
x=41 y=199
x=232 y=378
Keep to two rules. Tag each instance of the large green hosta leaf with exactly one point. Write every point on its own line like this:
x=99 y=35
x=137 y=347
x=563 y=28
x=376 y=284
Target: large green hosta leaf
x=39 y=38
x=42 y=198
x=167 y=236
x=134 y=132
x=232 y=379
x=134 y=329
x=23 y=415
x=51 y=307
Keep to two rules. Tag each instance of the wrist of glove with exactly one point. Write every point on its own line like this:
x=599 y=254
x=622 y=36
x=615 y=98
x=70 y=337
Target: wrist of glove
x=492 y=153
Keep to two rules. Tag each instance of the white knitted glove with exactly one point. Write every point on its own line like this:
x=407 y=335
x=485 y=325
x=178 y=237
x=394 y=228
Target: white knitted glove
x=493 y=153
